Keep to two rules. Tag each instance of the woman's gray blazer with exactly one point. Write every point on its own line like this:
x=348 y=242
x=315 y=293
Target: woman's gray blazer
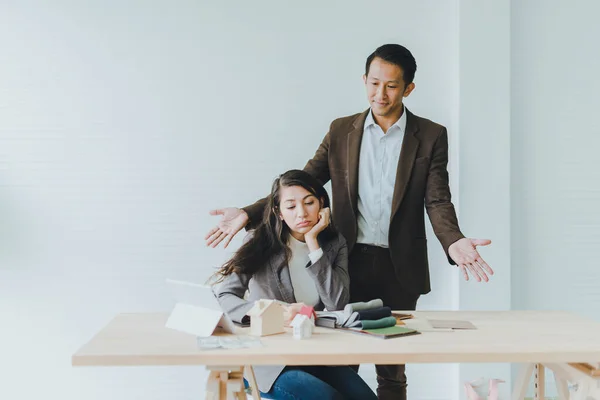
x=330 y=274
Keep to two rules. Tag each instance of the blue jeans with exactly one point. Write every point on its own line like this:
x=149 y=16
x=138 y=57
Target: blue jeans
x=320 y=382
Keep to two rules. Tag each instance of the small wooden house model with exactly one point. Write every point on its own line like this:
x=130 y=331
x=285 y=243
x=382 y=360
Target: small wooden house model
x=266 y=318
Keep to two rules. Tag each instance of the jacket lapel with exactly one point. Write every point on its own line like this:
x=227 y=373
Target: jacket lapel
x=281 y=275
x=352 y=158
x=408 y=153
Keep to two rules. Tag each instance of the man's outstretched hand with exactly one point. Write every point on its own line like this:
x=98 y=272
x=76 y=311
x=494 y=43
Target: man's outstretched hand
x=465 y=255
x=232 y=222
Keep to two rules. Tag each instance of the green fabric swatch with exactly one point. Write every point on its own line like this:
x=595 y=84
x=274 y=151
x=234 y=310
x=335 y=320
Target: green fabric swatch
x=379 y=323
x=391 y=330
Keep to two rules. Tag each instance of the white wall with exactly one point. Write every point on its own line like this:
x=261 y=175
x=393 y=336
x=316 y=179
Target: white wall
x=556 y=137
x=484 y=161
x=555 y=140
x=122 y=124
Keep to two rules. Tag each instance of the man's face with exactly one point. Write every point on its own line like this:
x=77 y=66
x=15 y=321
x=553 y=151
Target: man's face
x=386 y=88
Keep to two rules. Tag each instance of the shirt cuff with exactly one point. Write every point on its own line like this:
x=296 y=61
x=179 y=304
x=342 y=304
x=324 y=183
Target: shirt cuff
x=315 y=255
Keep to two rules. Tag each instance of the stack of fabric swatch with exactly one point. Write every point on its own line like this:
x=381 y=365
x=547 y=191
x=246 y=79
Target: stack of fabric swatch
x=361 y=315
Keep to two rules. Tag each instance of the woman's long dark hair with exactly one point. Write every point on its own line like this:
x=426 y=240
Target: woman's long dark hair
x=271 y=236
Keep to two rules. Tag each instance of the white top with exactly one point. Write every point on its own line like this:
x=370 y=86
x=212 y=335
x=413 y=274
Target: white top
x=305 y=290
x=379 y=156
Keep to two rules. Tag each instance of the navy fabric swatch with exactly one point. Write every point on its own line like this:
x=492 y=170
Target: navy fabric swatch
x=373 y=314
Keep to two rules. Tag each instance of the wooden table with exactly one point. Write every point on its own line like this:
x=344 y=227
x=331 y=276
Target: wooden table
x=560 y=341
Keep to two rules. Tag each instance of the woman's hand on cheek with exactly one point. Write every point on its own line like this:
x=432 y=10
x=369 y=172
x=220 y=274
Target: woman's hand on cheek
x=324 y=219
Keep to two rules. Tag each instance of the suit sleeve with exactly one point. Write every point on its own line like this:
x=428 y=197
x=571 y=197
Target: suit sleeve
x=331 y=277
x=231 y=291
x=438 y=198
x=255 y=213
x=318 y=167
x=230 y=294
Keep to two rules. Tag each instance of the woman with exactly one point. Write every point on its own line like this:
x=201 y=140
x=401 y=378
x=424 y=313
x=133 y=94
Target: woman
x=297 y=257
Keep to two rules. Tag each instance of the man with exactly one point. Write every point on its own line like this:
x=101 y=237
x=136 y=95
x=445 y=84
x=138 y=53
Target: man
x=386 y=165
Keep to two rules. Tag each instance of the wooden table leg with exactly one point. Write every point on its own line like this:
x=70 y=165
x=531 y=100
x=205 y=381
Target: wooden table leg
x=225 y=383
x=562 y=386
x=522 y=382
x=539 y=381
x=213 y=386
x=253 y=384
x=235 y=386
